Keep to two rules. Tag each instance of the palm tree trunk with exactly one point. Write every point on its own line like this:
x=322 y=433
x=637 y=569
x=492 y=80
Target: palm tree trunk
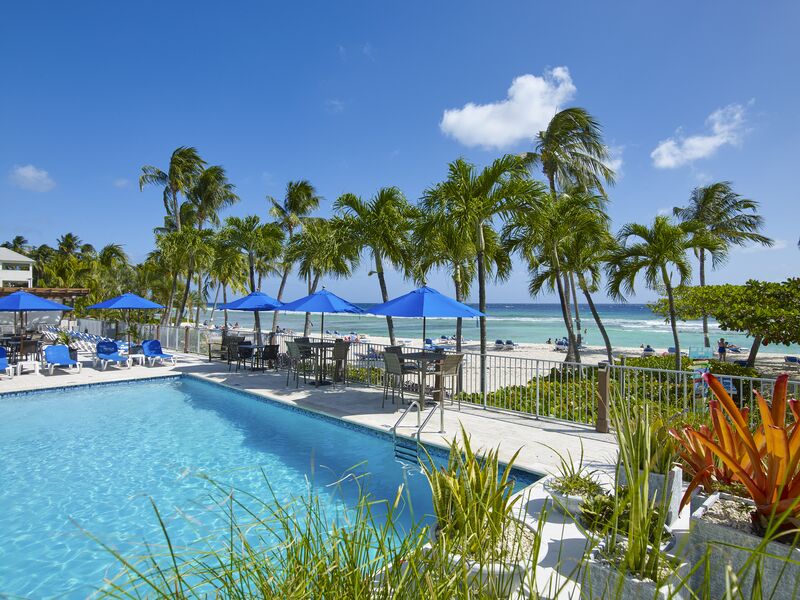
x=199 y=299
x=214 y=306
x=252 y=264
x=312 y=287
x=168 y=310
x=284 y=278
x=572 y=354
x=482 y=303
x=673 y=320
x=179 y=315
x=702 y=284
x=579 y=336
x=597 y=320
x=225 y=310
x=384 y=295
x=459 y=325
x=751 y=358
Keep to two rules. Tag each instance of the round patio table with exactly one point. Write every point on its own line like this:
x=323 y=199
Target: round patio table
x=424 y=359
x=321 y=352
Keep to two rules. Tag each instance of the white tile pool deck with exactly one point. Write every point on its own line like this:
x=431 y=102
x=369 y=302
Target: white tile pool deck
x=538 y=441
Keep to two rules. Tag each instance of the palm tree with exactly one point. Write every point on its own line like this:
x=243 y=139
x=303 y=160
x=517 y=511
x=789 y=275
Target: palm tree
x=324 y=248
x=170 y=253
x=572 y=154
x=659 y=252
x=587 y=249
x=210 y=192
x=69 y=244
x=440 y=245
x=300 y=199
x=256 y=240
x=197 y=250
x=726 y=216
x=228 y=270
x=540 y=230
x=381 y=225
x=471 y=200
x=17 y=244
x=185 y=165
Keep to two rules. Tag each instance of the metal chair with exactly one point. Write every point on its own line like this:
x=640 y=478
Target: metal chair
x=296 y=361
x=270 y=354
x=304 y=345
x=243 y=354
x=448 y=369
x=339 y=356
x=395 y=372
x=231 y=349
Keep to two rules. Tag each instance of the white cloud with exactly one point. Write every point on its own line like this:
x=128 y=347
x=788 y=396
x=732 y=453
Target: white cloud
x=726 y=127
x=777 y=245
x=342 y=52
x=664 y=212
x=334 y=106
x=121 y=182
x=368 y=51
x=531 y=103
x=31 y=178
x=614 y=160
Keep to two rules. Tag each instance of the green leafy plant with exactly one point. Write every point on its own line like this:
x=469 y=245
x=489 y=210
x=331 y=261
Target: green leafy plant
x=63 y=338
x=473 y=498
x=575 y=479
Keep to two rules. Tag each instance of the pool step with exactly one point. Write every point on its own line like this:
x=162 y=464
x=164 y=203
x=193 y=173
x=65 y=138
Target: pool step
x=406 y=450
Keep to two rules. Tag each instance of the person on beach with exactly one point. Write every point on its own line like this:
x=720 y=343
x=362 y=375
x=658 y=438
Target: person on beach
x=722 y=348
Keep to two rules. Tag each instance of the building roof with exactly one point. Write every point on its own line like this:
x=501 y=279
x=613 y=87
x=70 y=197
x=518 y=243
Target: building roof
x=11 y=256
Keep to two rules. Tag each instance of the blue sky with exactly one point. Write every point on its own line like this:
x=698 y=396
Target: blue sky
x=352 y=96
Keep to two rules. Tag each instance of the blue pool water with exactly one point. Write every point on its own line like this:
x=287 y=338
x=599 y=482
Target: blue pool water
x=93 y=457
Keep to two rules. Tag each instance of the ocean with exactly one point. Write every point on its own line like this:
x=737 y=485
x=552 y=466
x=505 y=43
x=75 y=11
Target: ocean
x=628 y=325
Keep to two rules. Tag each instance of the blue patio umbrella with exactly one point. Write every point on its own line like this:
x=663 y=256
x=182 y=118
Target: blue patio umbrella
x=127 y=303
x=322 y=302
x=23 y=302
x=253 y=302
x=424 y=302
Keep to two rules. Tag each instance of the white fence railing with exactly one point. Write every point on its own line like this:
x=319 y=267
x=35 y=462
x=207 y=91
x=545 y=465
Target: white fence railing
x=539 y=388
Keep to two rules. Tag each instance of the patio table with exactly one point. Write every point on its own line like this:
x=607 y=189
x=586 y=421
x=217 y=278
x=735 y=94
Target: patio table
x=423 y=359
x=320 y=352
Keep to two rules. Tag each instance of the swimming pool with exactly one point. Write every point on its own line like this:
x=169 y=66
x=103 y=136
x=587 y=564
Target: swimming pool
x=92 y=457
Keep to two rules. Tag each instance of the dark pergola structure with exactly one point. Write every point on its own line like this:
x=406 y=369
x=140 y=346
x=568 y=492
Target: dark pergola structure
x=57 y=294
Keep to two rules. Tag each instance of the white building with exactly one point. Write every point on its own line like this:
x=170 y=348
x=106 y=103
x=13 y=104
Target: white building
x=16 y=270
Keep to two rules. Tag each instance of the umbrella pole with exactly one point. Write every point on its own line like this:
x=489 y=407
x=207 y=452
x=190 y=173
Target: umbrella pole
x=423 y=333
x=322 y=328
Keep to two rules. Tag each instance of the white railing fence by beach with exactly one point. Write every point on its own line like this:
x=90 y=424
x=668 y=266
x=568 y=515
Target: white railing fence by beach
x=538 y=388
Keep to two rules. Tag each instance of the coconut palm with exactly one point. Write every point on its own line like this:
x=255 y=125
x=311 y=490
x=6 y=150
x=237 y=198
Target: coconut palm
x=472 y=200
x=382 y=225
x=659 y=252
x=198 y=252
x=540 y=230
x=300 y=199
x=185 y=165
x=441 y=246
x=256 y=240
x=210 y=193
x=726 y=216
x=322 y=249
x=169 y=252
x=69 y=244
x=17 y=244
x=572 y=154
x=228 y=269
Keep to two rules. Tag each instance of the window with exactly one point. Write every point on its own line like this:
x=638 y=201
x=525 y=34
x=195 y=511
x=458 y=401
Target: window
x=16 y=267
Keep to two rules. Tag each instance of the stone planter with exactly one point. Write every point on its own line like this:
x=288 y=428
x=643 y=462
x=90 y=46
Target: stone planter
x=564 y=503
x=672 y=482
x=602 y=580
x=779 y=578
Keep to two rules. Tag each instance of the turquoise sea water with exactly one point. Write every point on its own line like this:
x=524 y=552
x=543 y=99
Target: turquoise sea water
x=628 y=325
x=93 y=458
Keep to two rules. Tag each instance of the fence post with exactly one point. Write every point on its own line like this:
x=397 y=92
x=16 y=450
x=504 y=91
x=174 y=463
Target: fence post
x=186 y=340
x=483 y=376
x=604 y=389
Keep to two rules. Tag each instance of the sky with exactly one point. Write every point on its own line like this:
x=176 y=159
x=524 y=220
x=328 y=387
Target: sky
x=357 y=95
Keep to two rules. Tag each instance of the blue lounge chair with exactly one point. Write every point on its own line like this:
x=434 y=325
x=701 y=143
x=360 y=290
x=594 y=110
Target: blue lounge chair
x=108 y=352
x=152 y=352
x=4 y=366
x=510 y=345
x=58 y=356
x=499 y=345
x=792 y=361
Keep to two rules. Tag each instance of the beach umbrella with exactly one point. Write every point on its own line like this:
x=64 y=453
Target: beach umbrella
x=23 y=302
x=126 y=303
x=322 y=302
x=424 y=302
x=253 y=302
